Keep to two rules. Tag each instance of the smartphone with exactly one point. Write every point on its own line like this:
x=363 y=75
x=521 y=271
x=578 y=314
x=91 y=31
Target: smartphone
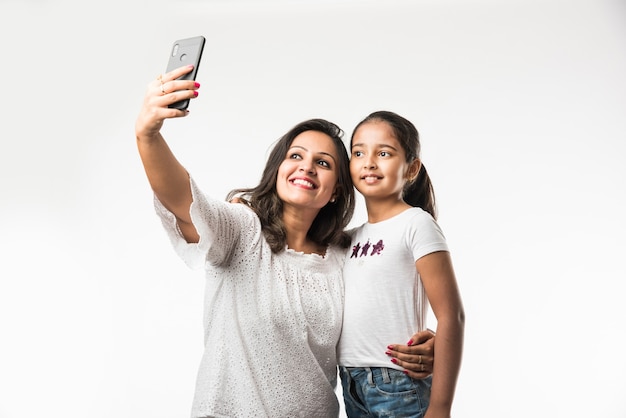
x=184 y=52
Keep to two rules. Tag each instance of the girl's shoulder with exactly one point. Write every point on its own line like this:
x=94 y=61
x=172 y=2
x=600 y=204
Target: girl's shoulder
x=417 y=215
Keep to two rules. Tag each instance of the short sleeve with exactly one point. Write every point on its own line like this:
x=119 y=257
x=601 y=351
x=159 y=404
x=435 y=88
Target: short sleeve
x=425 y=236
x=219 y=225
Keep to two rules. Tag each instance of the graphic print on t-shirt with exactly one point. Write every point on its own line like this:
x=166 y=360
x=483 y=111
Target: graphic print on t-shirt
x=376 y=249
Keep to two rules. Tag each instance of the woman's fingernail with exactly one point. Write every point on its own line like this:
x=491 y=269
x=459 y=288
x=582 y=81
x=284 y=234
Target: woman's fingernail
x=410 y=342
x=394 y=361
x=196 y=84
x=388 y=353
x=195 y=93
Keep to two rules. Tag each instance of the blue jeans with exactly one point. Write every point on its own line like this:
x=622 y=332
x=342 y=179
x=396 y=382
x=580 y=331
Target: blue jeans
x=383 y=392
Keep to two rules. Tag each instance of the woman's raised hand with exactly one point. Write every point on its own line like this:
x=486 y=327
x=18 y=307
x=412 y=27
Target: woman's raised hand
x=160 y=93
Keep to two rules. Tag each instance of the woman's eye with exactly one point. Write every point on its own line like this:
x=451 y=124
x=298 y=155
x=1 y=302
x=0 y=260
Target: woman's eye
x=357 y=153
x=324 y=163
x=295 y=157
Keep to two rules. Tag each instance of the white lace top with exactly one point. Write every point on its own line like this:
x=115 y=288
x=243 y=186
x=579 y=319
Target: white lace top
x=271 y=321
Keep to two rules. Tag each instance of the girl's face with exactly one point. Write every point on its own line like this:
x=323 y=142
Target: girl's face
x=378 y=164
x=308 y=175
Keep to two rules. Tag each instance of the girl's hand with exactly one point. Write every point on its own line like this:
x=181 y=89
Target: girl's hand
x=160 y=93
x=417 y=356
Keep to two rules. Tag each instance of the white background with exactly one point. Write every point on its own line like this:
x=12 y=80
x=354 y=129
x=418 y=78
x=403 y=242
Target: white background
x=521 y=106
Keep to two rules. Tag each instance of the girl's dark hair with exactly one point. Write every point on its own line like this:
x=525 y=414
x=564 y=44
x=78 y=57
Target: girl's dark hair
x=419 y=192
x=329 y=224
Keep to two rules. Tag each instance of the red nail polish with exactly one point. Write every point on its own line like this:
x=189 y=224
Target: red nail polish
x=195 y=93
x=410 y=342
x=388 y=353
x=405 y=372
x=196 y=84
x=390 y=347
x=394 y=361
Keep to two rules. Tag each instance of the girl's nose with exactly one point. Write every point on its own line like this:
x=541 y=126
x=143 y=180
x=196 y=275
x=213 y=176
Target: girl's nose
x=370 y=163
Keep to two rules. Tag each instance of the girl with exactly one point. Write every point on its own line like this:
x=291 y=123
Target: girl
x=399 y=262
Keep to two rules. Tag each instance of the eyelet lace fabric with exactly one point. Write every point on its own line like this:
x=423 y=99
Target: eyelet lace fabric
x=271 y=321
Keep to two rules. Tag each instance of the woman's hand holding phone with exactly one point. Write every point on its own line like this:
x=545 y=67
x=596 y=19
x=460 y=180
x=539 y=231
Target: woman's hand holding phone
x=161 y=93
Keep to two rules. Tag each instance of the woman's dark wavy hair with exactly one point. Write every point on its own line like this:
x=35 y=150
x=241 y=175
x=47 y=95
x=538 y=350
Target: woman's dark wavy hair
x=418 y=193
x=328 y=227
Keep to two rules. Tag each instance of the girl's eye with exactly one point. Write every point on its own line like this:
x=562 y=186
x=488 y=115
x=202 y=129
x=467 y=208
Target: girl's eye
x=384 y=154
x=357 y=153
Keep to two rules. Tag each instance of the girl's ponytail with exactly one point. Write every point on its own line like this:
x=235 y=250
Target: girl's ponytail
x=420 y=193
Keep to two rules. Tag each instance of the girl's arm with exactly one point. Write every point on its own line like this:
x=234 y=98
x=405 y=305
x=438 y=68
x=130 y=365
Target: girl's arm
x=168 y=178
x=439 y=280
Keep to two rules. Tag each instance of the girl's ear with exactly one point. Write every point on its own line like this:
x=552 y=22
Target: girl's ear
x=414 y=169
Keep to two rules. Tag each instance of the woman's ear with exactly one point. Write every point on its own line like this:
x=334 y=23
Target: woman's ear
x=414 y=169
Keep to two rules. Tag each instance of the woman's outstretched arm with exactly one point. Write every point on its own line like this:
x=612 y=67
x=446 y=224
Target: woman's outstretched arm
x=167 y=177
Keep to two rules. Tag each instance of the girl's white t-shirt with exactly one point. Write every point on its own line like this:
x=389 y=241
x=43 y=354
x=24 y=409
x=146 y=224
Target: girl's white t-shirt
x=385 y=300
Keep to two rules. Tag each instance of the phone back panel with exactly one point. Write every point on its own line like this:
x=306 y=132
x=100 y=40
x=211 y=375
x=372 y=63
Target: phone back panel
x=184 y=52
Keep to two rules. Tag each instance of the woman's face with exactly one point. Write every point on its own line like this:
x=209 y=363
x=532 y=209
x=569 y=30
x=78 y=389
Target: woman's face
x=307 y=177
